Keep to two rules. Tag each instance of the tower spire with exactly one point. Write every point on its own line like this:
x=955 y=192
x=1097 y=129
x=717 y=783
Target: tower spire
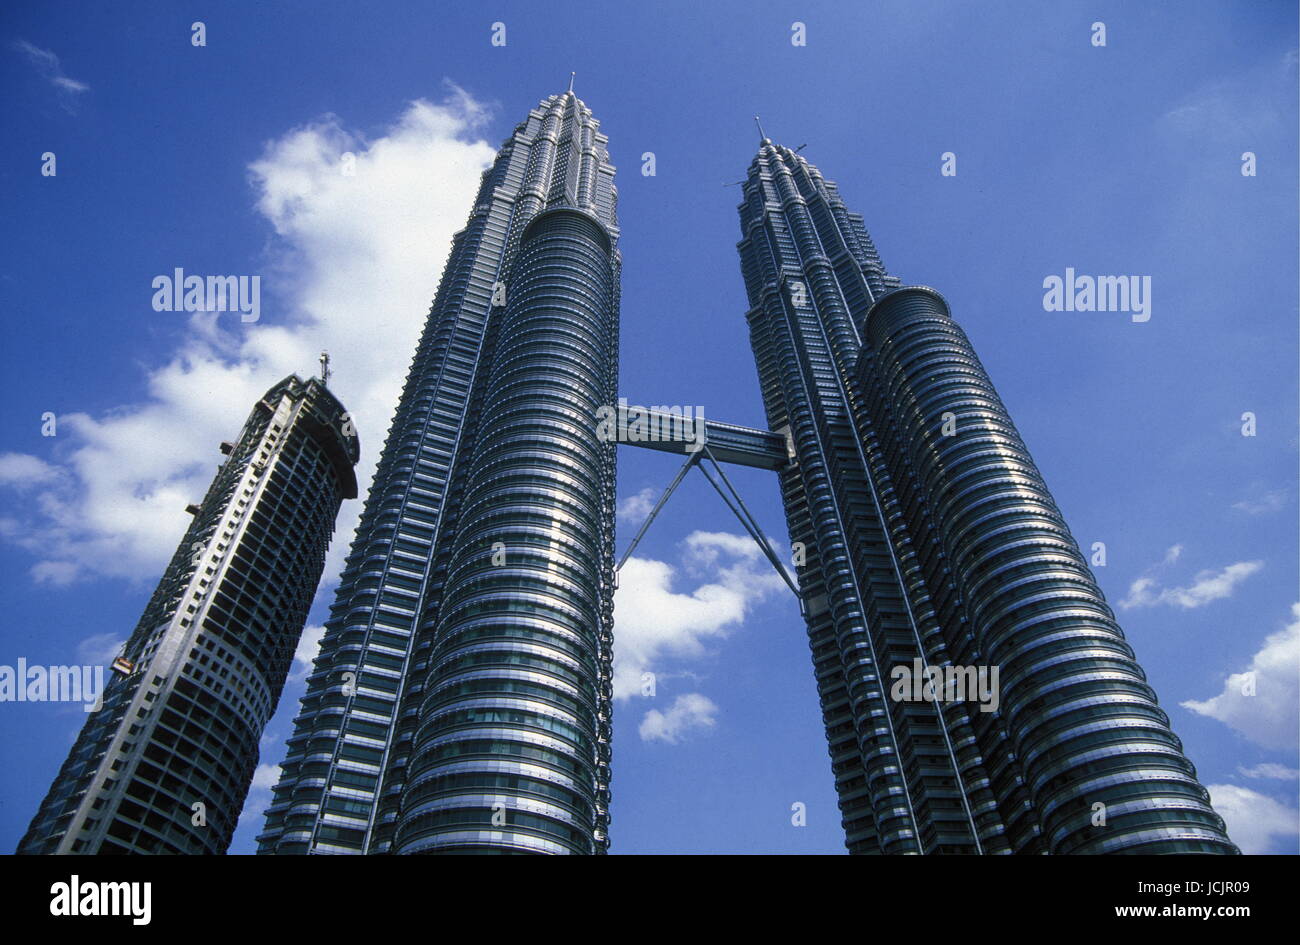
x=762 y=138
x=571 y=78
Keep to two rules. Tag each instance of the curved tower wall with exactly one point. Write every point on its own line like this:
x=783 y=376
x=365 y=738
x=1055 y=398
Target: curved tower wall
x=1078 y=725
x=345 y=774
x=908 y=773
x=926 y=551
x=511 y=748
x=213 y=647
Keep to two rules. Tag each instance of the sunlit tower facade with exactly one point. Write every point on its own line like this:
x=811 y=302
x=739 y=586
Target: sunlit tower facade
x=926 y=533
x=461 y=698
x=165 y=764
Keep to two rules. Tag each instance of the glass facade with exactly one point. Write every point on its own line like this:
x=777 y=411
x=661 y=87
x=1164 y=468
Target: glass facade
x=930 y=539
x=511 y=745
x=461 y=697
x=164 y=766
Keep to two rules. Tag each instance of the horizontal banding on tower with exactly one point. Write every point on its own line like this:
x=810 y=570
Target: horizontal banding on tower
x=1084 y=726
x=514 y=720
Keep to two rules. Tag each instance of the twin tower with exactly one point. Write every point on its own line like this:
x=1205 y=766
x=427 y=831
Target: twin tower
x=462 y=699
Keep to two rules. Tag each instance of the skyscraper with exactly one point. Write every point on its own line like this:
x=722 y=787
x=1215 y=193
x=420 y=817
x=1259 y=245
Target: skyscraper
x=461 y=698
x=164 y=765
x=928 y=539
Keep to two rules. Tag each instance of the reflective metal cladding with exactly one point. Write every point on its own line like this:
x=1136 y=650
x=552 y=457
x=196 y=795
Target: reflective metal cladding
x=520 y=664
x=978 y=695
x=461 y=699
x=932 y=542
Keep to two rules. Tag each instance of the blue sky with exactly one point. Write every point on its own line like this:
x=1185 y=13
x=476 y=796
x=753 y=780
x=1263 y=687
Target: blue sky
x=1117 y=160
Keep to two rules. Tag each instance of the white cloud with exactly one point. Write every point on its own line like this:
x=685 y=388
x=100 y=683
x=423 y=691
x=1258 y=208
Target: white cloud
x=54 y=573
x=48 y=65
x=69 y=85
x=102 y=648
x=634 y=508
x=688 y=713
x=1270 y=771
x=1271 y=716
x=308 y=647
x=706 y=549
x=655 y=625
x=353 y=266
x=1207 y=586
x=1254 y=819
x=1234 y=108
x=20 y=470
x=265 y=777
x=1263 y=503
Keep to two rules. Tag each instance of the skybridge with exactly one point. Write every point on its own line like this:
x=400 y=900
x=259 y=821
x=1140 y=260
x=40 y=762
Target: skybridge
x=676 y=432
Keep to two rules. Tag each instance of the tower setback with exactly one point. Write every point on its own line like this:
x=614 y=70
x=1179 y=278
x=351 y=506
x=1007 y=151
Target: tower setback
x=932 y=543
x=461 y=699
